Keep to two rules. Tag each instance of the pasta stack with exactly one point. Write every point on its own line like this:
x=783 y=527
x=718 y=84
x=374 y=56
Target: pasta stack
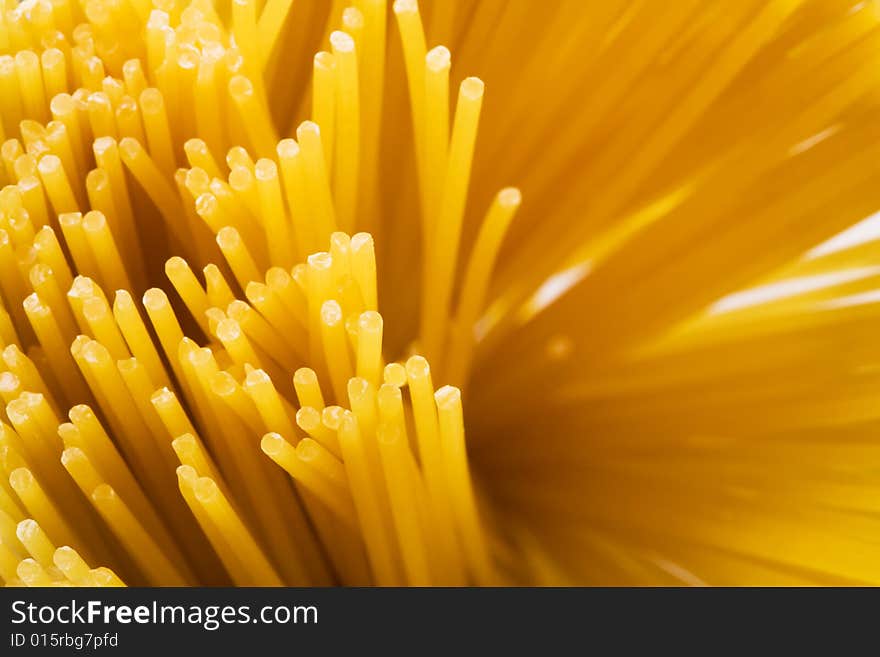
x=258 y=423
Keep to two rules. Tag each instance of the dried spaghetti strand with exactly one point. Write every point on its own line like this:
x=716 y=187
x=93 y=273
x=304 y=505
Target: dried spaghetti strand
x=348 y=131
x=476 y=279
x=235 y=533
x=442 y=257
x=461 y=493
x=126 y=527
x=378 y=542
x=335 y=498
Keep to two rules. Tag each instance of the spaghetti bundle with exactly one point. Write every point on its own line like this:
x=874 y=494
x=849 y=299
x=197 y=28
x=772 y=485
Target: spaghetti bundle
x=258 y=422
x=252 y=296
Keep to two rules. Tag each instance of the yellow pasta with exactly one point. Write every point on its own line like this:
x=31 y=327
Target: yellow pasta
x=436 y=134
x=335 y=347
x=281 y=245
x=132 y=534
x=308 y=388
x=104 y=249
x=47 y=286
x=189 y=289
x=336 y=498
x=33 y=574
x=101 y=116
x=405 y=509
x=348 y=137
x=446 y=229
x=57 y=185
x=223 y=516
x=240 y=260
x=157 y=130
x=324 y=101
x=40 y=506
x=371 y=360
x=137 y=338
x=72 y=565
x=317 y=181
x=366 y=499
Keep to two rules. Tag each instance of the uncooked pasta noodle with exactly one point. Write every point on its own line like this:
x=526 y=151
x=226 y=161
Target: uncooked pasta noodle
x=274 y=313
